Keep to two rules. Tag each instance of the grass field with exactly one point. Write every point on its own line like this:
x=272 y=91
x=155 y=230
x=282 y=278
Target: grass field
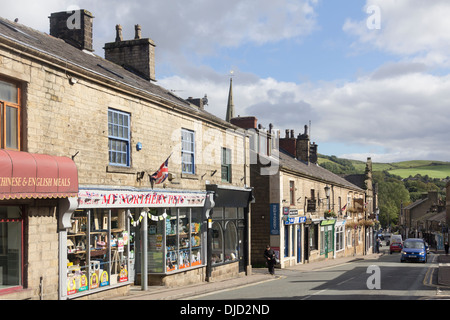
x=440 y=171
x=404 y=169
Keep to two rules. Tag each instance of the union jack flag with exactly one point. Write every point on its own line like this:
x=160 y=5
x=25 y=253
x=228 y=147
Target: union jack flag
x=161 y=175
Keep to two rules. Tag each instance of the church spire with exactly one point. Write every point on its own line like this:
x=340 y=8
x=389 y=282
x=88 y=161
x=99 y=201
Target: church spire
x=230 y=106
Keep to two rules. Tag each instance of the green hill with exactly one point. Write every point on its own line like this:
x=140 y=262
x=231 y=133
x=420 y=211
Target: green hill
x=404 y=169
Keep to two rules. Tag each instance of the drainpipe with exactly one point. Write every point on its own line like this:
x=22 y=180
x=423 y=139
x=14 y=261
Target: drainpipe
x=41 y=288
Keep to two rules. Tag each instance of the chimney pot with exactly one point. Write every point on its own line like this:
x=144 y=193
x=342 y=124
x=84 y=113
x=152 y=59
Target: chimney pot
x=119 y=36
x=137 y=34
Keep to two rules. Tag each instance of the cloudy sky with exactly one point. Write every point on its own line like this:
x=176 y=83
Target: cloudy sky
x=372 y=76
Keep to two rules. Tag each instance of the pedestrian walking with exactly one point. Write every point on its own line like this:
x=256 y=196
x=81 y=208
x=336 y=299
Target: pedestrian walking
x=446 y=247
x=378 y=245
x=269 y=254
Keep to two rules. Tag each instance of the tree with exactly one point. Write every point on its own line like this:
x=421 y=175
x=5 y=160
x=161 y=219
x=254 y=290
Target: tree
x=391 y=194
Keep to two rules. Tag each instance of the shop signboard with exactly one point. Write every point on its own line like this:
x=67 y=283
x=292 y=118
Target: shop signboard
x=274 y=218
x=139 y=199
x=295 y=220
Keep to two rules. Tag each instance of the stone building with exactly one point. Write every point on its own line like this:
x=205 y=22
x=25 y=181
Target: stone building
x=303 y=211
x=138 y=164
x=414 y=216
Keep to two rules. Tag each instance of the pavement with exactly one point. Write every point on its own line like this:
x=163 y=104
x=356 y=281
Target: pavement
x=444 y=270
x=262 y=275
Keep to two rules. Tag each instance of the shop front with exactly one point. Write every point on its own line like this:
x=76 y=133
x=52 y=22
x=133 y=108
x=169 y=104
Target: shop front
x=228 y=252
x=327 y=238
x=293 y=242
x=38 y=193
x=105 y=240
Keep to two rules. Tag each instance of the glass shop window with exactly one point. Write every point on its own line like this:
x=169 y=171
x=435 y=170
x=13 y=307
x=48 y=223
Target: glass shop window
x=174 y=239
x=225 y=236
x=97 y=249
x=11 y=231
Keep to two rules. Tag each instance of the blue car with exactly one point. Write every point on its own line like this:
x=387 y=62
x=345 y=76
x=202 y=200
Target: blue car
x=414 y=249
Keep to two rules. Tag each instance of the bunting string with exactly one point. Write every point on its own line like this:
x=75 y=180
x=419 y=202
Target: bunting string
x=150 y=216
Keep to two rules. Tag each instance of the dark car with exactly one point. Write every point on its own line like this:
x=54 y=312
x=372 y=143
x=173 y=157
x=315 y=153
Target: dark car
x=414 y=249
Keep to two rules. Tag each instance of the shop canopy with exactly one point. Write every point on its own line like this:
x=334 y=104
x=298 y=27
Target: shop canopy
x=26 y=175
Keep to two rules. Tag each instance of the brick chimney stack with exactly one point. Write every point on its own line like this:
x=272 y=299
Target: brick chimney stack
x=137 y=55
x=289 y=143
x=245 y=122
x=300 y=147
x=74 y=27
x=303 y=146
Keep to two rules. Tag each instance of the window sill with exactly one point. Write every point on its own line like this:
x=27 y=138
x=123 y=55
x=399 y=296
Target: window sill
x=189 y=176
x=118 y=169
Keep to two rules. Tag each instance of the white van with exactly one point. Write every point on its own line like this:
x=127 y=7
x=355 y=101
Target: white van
x=396 y=238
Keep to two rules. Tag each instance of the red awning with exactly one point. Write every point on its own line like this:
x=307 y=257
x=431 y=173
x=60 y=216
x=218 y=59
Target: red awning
x=29 y=176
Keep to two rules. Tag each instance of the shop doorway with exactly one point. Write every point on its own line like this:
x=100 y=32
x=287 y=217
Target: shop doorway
x=242 y=246
x=299 y=244
x=306 y=243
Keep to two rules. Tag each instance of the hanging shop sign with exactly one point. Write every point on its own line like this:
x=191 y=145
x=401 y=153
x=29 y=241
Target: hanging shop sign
x=327 y=222
x=139 y=199
x=295 y=220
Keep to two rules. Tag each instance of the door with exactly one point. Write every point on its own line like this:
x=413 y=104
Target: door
x=242 y=246
x=299 y=244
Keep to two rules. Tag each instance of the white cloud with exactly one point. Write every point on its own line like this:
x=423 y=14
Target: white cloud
x=399 y=108
x=404 y=113
x=412 y=29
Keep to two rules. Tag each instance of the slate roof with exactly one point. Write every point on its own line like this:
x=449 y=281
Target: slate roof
x=48 y=47
x=314 y=171
x=415 y=203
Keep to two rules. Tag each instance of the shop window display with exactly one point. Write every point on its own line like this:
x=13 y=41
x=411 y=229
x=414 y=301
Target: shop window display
x=175 y=239
x=97 y=249
x=217 y=243
x=225 y=237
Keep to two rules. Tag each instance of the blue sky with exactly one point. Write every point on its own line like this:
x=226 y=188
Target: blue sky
x=380 y=93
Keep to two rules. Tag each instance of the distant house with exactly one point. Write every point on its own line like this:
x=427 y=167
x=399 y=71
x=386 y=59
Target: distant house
x=414 y=216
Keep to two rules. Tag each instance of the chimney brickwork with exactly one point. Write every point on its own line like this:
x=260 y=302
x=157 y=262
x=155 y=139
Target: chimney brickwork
x=74 y=27
x=245 y=122
x=137 y=55
x=300 y=147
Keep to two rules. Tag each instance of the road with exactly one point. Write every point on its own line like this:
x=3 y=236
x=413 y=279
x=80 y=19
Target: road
x=384 y=278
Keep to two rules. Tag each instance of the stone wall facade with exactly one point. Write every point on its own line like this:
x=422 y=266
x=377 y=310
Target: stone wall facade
x=63 y=117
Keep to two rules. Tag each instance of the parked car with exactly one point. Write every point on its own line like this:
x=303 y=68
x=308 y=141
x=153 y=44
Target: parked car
x=395 y=247
x=414 y=250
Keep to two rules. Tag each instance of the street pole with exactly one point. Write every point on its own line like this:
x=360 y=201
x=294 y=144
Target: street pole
x=144 y=253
